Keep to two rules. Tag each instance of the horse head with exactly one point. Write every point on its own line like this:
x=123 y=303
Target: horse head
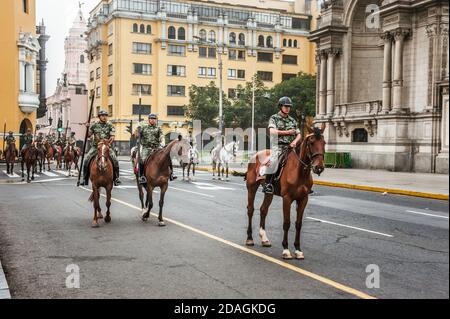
x=103 y=148
x=315 y=148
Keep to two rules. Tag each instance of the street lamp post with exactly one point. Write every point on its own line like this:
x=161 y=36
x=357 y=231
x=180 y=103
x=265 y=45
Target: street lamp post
x=220 y=79
x=253 y=116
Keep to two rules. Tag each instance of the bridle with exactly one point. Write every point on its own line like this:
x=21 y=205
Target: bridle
x=309 y=153
x=100 y=160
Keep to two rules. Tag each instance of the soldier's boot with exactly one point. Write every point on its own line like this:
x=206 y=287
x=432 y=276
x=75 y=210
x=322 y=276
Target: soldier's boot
x=172 y=177
x=142 y=178
x=117 y=181
x=268 y=186
x=85 y=181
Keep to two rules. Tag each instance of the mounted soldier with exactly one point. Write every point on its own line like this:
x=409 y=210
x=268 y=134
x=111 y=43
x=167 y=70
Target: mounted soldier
x=40 y=141
x=284 y=134
x=71 y=141
x=99 y=131
x=9 y=140
x=151 y=139
x=27 y=141
x=51 y=139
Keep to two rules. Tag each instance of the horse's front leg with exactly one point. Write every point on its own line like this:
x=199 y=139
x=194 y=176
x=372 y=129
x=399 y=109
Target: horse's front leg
x=214 y=170
x=141 y=194
x=287 y=202
x=161 y=205
x=251 y=193
x=265 y=242
x=23 y=175
x=228 y=168
x=96 y=203
x=301 y=205
x=146 y=214
x=108 y=204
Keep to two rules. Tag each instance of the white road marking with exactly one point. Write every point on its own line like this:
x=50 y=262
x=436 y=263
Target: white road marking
x=352 y=227
x=427 y=214
x=209 y=186
x=12 y=176
x=49 y=174
x=50 y=180
x=196 y=193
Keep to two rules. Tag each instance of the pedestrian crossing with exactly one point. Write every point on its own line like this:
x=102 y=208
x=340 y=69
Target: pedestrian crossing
x=52 y=174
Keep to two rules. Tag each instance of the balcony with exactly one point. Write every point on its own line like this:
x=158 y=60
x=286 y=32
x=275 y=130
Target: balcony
x=358 y=109
x=28 y=102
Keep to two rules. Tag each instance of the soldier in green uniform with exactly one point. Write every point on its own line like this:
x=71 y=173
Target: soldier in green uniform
x=104 y=130
x=27 y=140
x=284 y=133
x=151 y=140
x=71 y=141
x=10 y=139
x=51 y=139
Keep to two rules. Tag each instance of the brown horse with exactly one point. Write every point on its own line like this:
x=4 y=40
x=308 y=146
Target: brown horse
x=10 y=157
x=70 y=157
x=41 y=156
x=49 y=153
x=59 y=156
x=295 y=184
x=101 y=175
x=157 y=172
x=29 y=158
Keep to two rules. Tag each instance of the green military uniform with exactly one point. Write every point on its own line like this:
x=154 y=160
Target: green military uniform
x=71 y=141
x=103 y=131
x=27 y=140
x=151 y=139
x=280 y=143
x=10 y=139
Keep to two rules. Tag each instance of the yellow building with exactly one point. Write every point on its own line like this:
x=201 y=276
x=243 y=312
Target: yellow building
x=19 y=53
x=157 y=48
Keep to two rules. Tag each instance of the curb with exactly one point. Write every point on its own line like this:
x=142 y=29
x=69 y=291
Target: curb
x=363 y=188
x=4 y=289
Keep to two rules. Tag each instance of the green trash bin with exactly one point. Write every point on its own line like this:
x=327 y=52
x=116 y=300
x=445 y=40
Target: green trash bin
x=338 y=160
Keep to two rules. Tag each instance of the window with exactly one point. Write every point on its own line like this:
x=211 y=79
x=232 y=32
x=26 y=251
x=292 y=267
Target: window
x=81 y=59
x=142 y=28
x=91 y=76
x=289 y=59
x=241 y=74
x=359 y=135
x=172 y=34
x=232 y=54
x=179 y=50
x=241 y=55
x=141 y=109
x=110 y=90
x=173 y=110
x=295 y=44
x=135 y=28
x=98 y=92
x=285 y=42
x=211 y=52
x=79 y=91
x=303 y=24
x=261 y=41
x=205 y=52
x=206 y=72
x=142 y=48
x=176 y=90
x=143 y=89
x=149 y=29
x=290 y=43
x=202 y=34
x=98 y=109
x=98 y=73
x=25 y=6
x=231 y=93
x=110 y=30
x=212 y=36
x=176 y=70
x=265 y=57
x=140 y=68
x=110 y=110
x=269 y=42
x=232 y=73
x=232 y=38
x=110 y=49
x=181 y=34
x=265 y=76
x=287 y=76
x=241 y=39
x=110 y=70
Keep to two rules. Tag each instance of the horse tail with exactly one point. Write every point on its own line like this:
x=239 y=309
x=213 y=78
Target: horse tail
x=91 y=198
x=245 y=176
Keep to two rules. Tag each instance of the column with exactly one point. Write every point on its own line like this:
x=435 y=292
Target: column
x=387 y=66
x=398 y=70
x=330 y=82
x=323 y=83
x=22 y=75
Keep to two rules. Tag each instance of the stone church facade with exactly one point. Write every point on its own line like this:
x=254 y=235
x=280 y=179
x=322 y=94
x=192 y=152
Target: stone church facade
x=382 y=82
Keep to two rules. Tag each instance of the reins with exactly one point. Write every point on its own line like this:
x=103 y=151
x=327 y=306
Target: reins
x=308 y=153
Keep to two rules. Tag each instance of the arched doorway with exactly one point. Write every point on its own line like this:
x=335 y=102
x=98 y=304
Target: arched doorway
x=24 y=126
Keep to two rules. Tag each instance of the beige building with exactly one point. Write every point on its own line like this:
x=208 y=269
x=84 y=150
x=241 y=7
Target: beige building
x=383 y=82
x=153 y=49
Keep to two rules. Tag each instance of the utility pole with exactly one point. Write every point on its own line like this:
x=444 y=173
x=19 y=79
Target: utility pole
x=253 y=116
x=220 y=90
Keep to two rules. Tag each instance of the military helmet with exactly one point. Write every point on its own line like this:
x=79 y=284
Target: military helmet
x=153 y=116
x=29 y=130
x=72 y=134
x=103 y=113
x=10 y=132
x=284 y=101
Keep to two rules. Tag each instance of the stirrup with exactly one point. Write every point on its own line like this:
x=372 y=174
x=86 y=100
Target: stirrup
x=268 y=189
x=142 y=180
x=172 y=177
x=117 y=182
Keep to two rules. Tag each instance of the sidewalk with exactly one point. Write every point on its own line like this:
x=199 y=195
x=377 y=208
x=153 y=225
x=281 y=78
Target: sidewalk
x=433 y=186
x=4 y=289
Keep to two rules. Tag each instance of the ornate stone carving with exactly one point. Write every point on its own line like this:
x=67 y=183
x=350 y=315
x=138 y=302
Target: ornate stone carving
x=371 y=126
x=431 y=30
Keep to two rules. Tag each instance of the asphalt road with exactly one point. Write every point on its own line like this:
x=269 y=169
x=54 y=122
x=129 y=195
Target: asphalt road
x=45 y=226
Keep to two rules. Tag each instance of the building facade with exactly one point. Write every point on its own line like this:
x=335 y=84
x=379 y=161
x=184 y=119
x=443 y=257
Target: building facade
x=68 y=106
x=158 y=49
x=20 y=52
x=382 y=82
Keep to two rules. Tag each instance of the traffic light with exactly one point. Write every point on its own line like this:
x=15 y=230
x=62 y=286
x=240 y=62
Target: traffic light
x=130 y=128
x=60 y=126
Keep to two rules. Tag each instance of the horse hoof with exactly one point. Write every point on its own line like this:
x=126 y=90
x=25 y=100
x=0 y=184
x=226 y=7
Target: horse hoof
x=266 y=244
x=161 y=224
x=107 y=219
x=250 y=242
x=95 y=225
x=287 y=254
x=99 y=215
x=145 y=217
x=299 y=255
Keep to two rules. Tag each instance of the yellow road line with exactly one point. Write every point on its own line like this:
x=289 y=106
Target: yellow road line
x=365 y=188
x=281 y=263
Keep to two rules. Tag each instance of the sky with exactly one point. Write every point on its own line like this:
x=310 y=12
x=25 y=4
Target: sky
x=58 y=17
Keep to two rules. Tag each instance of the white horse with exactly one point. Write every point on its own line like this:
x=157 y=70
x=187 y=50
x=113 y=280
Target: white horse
x=222 y=156
x=187 y=155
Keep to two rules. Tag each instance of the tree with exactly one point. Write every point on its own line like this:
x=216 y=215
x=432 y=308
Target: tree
x=204 y=104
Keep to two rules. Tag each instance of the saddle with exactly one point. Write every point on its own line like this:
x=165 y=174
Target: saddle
x=282 y=159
